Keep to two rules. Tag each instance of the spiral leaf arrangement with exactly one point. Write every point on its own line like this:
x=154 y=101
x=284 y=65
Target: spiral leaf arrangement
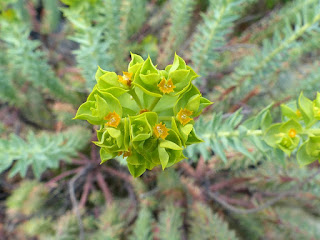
x=146 y=115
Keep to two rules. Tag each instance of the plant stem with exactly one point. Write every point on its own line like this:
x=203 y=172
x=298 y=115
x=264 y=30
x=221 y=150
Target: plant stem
x=154 y=103
x=233 y=134
x=136 y=98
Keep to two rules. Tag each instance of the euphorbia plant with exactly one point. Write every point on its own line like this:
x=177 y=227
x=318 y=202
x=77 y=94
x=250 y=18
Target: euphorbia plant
x=300 y=130
x=146 y=115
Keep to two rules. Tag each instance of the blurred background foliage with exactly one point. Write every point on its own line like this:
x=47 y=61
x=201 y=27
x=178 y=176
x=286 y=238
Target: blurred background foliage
x=249 y=54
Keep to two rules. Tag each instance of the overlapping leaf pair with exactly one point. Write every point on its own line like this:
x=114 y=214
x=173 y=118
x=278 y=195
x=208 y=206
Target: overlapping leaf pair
x=301 y=128
x=145 y=115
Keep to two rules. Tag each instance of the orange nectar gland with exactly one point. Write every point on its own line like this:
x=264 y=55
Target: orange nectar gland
x=125 y=154
x=166 y=86
x=113 y=120
x=160 y=130
x=183 y=116
x=143 y=111
x=126 y=79
x=292 y=133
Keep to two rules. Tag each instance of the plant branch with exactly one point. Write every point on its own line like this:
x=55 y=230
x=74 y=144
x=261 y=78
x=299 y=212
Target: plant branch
x=86 y=190
x=235 y=133
x=217 y=198
x=104 y=187
x=293 y=191
x=223 y=184
x=117 y=173
x=154 y=103
x=74 y=199
x=136 y=98
x=54 y=180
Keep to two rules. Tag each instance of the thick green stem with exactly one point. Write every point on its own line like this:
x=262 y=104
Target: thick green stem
x=154 y=103
x=136 y=98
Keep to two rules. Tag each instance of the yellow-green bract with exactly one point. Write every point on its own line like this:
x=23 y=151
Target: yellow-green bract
x=146 y=114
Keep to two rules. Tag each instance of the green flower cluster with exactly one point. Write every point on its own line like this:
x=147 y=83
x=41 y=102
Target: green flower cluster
x=145 y=115
x=300 y=129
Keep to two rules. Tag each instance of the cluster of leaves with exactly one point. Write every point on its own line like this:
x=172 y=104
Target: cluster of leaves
x=299 y=129
x=118 y=219
x=24 y=62
x=40 y=152
x=146 y=115
x=176 y=201
x=301 y=124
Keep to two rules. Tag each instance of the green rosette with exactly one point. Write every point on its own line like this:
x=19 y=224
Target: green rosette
x=109 y=82
x=186 y=133
x=310 y=110
x=284 y=136
x=290 y=112
x=180 y=74
x=309 y=151
x=113 y=140
x=168 y=151
x=192 y=100
x=138 y=164
x=98 y=105
x=316 y=107
x=147 y=78
x=141 y=132
x=135 y=64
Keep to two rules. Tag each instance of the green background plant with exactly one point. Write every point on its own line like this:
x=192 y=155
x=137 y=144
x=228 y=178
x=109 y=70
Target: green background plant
x=256 y=173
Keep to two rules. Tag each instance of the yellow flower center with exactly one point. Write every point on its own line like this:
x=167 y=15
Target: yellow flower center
x=183 y=116
x=166 y=86
x=298 y=113
x=292 y=133
x=126 y=79
x=113 y=119
x=160 y=130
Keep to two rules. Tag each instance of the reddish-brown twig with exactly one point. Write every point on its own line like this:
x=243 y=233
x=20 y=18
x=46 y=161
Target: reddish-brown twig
x=250 y=95
x=223 y=184
x=74 y=201
x=118 y=174
x=104 y=187
x=79 y=162
x=54 y=180
x=86 y=190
